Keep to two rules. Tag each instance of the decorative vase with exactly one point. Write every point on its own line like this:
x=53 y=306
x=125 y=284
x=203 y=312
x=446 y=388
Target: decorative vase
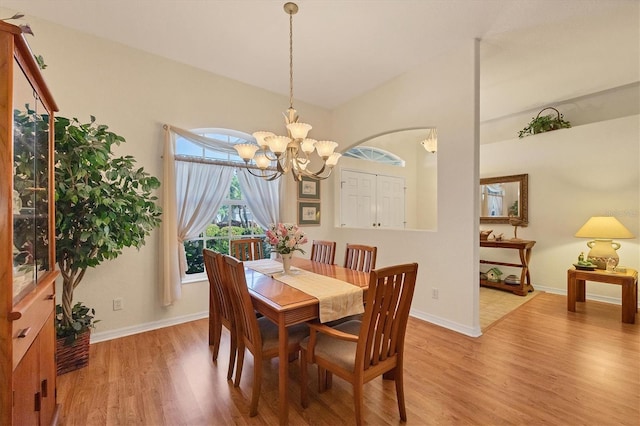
x=286 y=262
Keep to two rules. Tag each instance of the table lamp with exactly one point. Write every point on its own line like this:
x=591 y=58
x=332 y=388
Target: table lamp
x=603 y=229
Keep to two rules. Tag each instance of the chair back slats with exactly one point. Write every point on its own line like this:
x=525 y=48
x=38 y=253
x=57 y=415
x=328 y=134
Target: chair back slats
x=246 y=321
x=247 y=249
x=323 y=251
x=220 y=297
x=386 y=313
x=360 y=257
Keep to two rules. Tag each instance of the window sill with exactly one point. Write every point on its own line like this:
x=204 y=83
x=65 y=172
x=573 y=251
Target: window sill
x=194 y=278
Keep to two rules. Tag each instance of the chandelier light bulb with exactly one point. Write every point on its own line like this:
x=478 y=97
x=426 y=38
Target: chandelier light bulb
x=246 y=151
x=325 y=148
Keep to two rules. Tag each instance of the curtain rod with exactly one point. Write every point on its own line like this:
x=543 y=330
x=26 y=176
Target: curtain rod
x=190 y=159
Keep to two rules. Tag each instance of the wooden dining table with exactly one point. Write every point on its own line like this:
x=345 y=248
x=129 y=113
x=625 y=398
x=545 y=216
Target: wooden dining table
x=286 y=306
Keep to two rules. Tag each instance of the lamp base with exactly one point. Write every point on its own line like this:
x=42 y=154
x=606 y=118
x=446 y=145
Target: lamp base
x=602 y=251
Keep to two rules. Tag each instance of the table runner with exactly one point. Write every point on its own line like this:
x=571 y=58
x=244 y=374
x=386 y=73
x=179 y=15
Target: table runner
x=338 y=299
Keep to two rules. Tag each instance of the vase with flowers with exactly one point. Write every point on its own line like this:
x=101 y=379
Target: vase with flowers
x=285 y=238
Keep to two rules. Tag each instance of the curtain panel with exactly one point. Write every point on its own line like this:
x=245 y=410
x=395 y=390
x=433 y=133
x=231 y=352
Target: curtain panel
x=192 y=194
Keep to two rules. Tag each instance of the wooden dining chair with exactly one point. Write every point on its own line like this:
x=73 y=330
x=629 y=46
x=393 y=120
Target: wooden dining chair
x=258 y=335
x=323 y=251
x=359 y=351
x=247 y=249
x=360 y=257
x=220 y=308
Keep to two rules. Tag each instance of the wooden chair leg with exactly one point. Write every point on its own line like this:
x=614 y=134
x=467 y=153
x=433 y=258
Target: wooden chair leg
x=328 y=380
x=233 y=350
x=358 y=401
x=321 y=379
x=257 y=384
x=215 y=334
x=304 y=377
x=239 y=365
x=400 y=394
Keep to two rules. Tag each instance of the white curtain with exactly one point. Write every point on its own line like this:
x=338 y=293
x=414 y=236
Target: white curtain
x=262 y=197
x=190 y=203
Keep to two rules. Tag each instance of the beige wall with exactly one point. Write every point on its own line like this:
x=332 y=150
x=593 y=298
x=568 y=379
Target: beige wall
x=576 y=173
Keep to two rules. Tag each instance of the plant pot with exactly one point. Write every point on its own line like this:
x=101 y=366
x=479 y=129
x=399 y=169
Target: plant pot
x=74 y=355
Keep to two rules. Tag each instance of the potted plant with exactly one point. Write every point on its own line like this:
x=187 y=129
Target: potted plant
x=103 y=204
x=544 y=123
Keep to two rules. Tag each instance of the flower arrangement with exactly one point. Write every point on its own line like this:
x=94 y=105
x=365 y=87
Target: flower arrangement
x=286 y=238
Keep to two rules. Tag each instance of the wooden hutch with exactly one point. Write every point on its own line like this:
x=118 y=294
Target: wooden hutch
x=27 y=238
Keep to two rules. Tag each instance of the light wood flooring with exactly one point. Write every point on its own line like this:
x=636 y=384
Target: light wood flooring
x=540 y=365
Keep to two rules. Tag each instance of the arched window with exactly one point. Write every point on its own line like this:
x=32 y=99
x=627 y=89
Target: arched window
x=378 y=155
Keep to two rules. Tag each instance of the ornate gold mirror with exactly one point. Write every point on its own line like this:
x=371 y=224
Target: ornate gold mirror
x=504 y=197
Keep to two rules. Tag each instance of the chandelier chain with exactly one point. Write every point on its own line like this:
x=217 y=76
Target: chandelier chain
x=291 y=60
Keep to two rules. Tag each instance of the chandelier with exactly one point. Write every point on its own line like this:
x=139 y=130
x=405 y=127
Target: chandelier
x=430 y=144
x=290 y=153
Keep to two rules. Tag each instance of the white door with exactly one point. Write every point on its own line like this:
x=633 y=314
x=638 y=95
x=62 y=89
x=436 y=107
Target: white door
x=371 y=201
x=357 y=199
x=390 y=197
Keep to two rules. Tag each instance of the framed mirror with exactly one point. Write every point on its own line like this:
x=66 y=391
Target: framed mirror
x=502 y=197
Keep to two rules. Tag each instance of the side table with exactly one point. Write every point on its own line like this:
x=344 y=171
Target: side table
x=628 y=280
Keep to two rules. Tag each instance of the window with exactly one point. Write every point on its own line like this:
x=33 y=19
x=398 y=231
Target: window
x=374 y=154
x=234 y=218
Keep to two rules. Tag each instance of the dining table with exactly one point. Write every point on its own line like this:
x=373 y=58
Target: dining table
x=286 y=305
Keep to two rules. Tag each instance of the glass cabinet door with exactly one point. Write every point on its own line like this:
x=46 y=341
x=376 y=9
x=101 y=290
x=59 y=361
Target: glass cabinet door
x=30 y=187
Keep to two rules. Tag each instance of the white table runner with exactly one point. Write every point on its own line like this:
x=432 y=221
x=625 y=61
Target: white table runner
x=338 y=299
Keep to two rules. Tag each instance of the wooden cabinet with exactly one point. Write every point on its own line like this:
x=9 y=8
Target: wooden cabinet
x=524 y=252
x=27 y=240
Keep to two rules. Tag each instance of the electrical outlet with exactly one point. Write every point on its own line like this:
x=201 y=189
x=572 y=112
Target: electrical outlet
x=434 y=293
x=118 y=304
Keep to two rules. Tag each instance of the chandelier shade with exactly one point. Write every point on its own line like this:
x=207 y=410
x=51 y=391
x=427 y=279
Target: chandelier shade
x=430 y=144
x=276 y=155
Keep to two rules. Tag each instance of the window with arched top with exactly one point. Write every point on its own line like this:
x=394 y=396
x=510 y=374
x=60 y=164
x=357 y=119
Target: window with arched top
x=378 y=155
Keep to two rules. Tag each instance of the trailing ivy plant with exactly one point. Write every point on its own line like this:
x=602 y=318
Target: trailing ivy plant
x=544 y=123
x=103 y=204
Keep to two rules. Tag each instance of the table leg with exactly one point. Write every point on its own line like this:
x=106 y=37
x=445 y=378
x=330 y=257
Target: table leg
x=571 y=292
x=629 y=302
x=283 y=372
x=581 y=294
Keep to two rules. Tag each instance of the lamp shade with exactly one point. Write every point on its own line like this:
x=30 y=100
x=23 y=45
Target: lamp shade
x=607 y=227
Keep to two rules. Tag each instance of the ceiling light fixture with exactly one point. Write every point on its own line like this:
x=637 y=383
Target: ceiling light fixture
x=431 y=142
x=290 y=153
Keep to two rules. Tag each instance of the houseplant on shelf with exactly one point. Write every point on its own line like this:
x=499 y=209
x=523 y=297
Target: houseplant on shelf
x=285 y=238
x=544 y=123
x=103 y=204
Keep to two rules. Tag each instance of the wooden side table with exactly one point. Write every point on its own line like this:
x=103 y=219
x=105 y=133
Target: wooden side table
x=628 y=280
x=524 y=251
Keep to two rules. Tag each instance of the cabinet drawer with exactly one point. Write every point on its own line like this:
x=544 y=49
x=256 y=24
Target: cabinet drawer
x=30 y=315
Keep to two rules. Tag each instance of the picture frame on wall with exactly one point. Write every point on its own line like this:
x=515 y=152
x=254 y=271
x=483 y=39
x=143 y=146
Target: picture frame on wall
x=309 y=189
x=308 y=213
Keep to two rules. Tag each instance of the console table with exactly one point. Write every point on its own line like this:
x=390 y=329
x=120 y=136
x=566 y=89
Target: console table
x=524 y=250
x=627 y=280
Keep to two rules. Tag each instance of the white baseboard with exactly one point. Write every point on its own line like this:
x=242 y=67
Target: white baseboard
x=141 y=328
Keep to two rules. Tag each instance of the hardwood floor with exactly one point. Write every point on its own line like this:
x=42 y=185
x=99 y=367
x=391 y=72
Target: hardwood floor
x=539 y=365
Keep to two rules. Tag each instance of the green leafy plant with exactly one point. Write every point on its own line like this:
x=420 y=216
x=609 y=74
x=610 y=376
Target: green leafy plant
x=82 y=319
x=544 y=123
x=103 y=204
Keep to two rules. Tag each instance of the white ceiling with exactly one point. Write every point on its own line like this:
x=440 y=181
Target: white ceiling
x=342 y=48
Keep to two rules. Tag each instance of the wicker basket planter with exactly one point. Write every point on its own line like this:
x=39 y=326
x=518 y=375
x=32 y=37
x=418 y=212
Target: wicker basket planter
x=74 y=355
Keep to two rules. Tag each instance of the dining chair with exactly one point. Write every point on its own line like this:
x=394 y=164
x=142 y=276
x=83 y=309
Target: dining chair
x=323 y=251
x=359 y=351
x=258 y=335
x=360 y=257
x=220 y=308
x=247 y=249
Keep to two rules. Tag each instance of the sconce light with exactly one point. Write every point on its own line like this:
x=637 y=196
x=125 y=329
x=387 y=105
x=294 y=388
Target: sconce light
x=430 y=144
x=603 y=229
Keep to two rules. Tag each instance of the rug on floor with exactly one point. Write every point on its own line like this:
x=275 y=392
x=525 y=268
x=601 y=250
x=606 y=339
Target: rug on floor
x=495 y=304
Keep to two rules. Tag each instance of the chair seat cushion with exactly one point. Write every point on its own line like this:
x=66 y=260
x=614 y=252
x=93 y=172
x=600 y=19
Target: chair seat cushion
x=269 y=332
x=338 y=351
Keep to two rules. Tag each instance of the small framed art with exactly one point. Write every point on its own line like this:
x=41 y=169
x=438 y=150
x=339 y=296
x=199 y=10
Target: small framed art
x=308 y=213
x=309 y=189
